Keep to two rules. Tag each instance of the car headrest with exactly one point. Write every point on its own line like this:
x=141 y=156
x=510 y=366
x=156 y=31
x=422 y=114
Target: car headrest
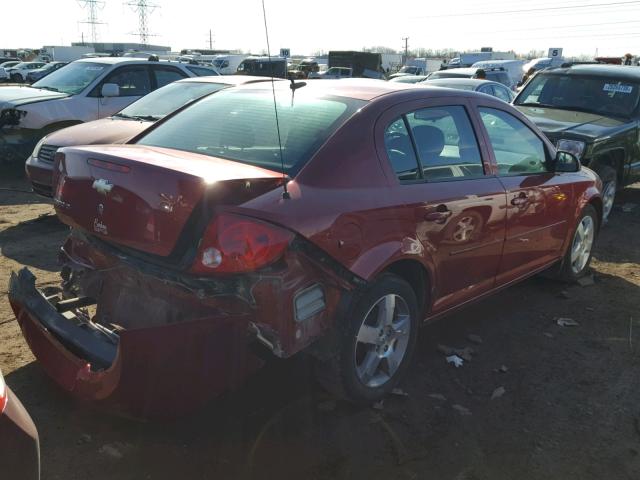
x=429 y=141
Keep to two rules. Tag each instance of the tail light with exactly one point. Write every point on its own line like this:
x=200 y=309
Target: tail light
x=3 y=394
x=235 y=244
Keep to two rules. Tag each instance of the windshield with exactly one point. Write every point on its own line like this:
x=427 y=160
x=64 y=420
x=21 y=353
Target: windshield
x=72 y=78
x=408 y=70
x=168 y=99
x=240 y=125
x=602 y=96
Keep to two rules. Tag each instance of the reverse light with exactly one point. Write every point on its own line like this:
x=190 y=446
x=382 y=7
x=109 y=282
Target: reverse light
x=3 y=394
x=574 y=147
x=236 y=244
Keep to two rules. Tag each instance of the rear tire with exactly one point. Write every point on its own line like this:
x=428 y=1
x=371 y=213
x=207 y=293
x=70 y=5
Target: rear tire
x=375 y=344
x=575 y=263
x=609 y=179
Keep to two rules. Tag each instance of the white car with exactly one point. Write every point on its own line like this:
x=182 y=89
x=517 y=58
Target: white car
x=3 y=69
x=333 y=72
x=18 y=73
x=81 y=91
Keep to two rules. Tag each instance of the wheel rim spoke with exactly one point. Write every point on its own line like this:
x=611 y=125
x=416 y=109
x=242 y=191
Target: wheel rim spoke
x=369 y=366
x=393 y=362
x=386 y=309
x=401 y=325
x=368 y=335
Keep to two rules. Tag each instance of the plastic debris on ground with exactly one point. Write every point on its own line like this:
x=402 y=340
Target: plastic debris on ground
x=497 y=393
x=461 y=410
x=378 y=405
x=455 y=360
x=437 y=396
x=586 y=281
x=399 y=392
x=567 y=322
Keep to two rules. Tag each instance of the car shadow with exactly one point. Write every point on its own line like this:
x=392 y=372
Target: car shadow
x=26 y=242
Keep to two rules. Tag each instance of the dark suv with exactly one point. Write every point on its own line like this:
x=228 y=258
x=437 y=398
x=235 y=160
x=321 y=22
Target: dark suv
x=592 y=112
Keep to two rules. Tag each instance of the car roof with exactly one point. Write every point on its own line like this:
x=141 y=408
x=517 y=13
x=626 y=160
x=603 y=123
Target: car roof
x=364 y=89
x=474 y=82
x=141 y=61
x=598 y=70
x=228 y=79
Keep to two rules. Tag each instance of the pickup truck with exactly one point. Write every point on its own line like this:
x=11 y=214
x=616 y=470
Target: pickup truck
x=592 y=112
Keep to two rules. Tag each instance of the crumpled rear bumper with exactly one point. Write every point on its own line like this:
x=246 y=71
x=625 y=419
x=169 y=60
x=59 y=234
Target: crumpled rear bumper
x=160 y=371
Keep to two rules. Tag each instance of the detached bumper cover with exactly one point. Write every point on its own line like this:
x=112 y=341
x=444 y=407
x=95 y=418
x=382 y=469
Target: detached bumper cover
x=161 y=371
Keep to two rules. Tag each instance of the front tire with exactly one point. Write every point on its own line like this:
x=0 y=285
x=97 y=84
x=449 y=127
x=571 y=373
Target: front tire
x=375 y=344
x=609 y=187
x=578 y=256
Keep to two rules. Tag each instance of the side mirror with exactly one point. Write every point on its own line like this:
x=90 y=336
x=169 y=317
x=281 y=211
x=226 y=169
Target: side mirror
x=566 y=162
x=110 y=90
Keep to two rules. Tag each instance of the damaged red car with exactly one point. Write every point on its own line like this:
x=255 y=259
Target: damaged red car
x=336 y=228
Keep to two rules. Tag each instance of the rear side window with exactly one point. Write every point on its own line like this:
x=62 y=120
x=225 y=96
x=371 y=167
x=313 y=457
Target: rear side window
x=400 y=151
x=165 y=76
x=517 y=149
x=445 y=145
x=240 y=125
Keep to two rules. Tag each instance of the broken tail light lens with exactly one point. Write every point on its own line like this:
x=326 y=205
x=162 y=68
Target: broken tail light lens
x=3 y=394
x=236 y=244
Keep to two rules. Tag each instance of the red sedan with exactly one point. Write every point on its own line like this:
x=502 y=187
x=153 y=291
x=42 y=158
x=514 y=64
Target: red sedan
x=364 y=210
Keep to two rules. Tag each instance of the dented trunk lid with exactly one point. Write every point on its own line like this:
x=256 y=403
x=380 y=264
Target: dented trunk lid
x=143 y=197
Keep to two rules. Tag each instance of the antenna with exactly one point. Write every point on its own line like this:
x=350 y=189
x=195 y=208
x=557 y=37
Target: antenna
x=285 y=193
x=143 y=8
x=92 y=18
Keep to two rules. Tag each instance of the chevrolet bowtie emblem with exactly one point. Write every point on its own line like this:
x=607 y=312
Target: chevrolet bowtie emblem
x=102 y=186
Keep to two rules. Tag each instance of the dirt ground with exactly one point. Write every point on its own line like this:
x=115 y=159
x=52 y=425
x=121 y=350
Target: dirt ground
x=569 y=410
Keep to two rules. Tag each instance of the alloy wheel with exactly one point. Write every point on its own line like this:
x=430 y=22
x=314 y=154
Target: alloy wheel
x=582 y=244
x=382 y=340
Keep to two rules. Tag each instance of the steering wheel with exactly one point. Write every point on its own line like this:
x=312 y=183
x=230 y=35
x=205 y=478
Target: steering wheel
x=526 y=165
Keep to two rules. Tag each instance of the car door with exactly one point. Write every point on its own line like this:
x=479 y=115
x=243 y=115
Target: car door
x=455 y=204
x=134 y=81
x=539 y=201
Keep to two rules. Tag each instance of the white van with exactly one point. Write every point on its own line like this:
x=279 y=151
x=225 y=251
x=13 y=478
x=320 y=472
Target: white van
x=228 y=64
x=512 y=67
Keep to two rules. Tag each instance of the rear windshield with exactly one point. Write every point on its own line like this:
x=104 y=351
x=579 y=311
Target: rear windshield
x=599 y=95
x=240 y=125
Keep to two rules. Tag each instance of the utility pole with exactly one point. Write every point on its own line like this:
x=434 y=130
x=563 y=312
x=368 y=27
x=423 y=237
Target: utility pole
x=210 y=41
x=406 y=48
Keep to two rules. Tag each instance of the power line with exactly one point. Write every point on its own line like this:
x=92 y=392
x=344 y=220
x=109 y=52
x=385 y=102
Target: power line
x=502 y=12
x=552 y=27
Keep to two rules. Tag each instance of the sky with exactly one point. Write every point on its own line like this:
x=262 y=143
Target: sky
x=580 y=27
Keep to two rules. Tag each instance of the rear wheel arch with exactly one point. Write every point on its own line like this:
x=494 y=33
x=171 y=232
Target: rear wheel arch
x=416 y=275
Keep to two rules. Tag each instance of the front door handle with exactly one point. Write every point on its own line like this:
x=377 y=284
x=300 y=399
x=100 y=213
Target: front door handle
x=520 y=200
x=440 y=214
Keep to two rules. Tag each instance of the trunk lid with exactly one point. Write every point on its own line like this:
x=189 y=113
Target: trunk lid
x=143 y=197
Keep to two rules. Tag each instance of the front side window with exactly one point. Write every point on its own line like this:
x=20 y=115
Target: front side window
x=165 y=76
x=133 y=81
x=73 y=78
x=517 y=149
x=501 y=93
x=201 y=72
